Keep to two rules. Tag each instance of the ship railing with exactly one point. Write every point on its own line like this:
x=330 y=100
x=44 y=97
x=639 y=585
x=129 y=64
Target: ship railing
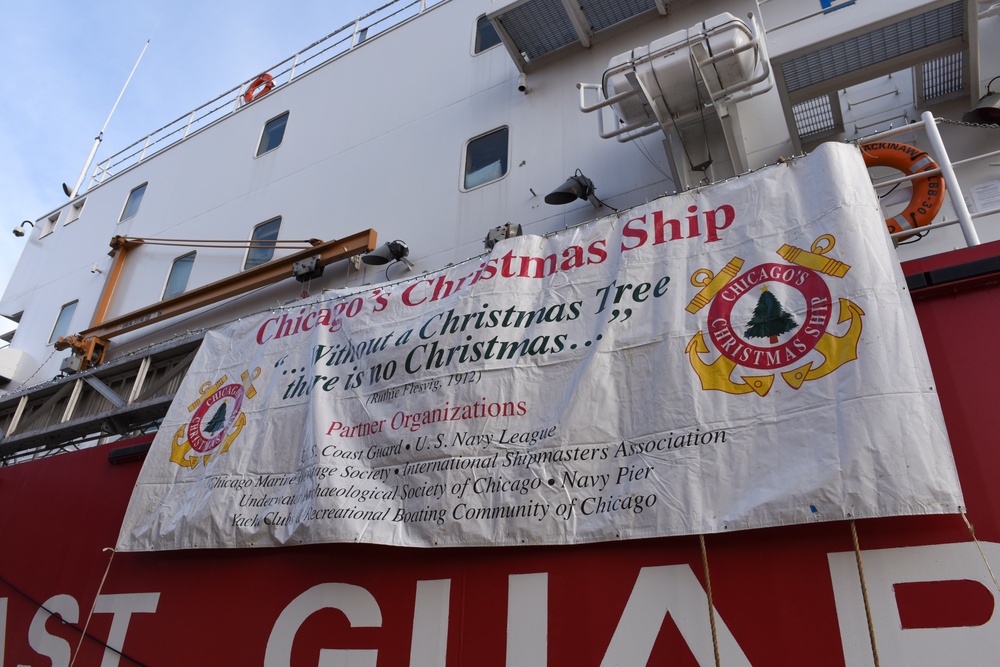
x=120 y=399
x=963 y=217
x=343 y=40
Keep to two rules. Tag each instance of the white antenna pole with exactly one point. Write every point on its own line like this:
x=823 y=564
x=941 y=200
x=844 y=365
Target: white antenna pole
x=100 y=135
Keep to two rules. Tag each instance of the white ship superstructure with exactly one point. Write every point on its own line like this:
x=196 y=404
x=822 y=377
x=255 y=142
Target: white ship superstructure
x=430 y=133
x=428 y=141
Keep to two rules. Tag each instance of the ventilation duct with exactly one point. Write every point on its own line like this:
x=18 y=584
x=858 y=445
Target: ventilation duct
x=531 y=29
x=862 y=57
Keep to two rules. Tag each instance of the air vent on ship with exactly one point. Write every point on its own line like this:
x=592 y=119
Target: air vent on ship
x=532 y=29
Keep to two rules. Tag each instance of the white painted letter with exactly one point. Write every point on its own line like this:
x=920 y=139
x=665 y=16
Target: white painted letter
x=55 y=648
x=430 y=624
x=675 y=590
x=923 y=647
x=122 y=605
x=358 y=606
x=3 y=628
x=527 y=620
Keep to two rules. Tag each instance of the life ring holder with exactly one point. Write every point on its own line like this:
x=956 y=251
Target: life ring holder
x=264 y=82
x=928 y=192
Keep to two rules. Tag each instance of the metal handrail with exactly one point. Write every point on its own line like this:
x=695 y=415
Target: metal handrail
x=320 y=52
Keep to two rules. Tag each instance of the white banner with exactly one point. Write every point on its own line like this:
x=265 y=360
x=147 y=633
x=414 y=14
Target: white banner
x=741 y=356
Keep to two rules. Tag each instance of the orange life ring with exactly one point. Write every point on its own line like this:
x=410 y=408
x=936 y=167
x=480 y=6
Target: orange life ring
x=265 y=82
x=928 y=193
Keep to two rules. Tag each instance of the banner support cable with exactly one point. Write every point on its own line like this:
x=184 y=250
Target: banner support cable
x=100 y=587
x=711 y=605
x=982 y=553
x=864 y=592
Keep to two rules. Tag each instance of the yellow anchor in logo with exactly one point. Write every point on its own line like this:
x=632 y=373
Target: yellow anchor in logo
x=717 y=375
x=205 y=391
x=179 y=450
x=814 y=257
x=836 y=350
x=711 y=284
x=238 y=425
x=248 y=377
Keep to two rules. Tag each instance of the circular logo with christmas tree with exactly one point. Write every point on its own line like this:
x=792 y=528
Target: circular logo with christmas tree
x=750 y=321
x=211 y=421
x=772 y=316
x=216 y=419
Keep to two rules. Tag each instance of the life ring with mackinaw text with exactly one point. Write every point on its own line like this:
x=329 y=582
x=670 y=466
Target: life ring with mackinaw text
x=265 y=82
x=928 y=192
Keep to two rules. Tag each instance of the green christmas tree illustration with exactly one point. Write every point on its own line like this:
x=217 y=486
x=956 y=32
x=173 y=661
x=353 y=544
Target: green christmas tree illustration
x=218 y=420
x=769 y=318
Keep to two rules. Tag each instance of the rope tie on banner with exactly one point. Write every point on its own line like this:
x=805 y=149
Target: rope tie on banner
x=982 y=553
x=92 y=607
x=711 y=605
x=864 y=592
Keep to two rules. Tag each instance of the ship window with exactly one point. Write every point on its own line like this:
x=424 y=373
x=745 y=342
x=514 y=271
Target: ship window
x=486 y=158
x=75 y=211
x=180 y=271
x=132 y=203
x=50 y=225
x=63 y=321
x=262 y=246
x=274 y=132
x=486 y=35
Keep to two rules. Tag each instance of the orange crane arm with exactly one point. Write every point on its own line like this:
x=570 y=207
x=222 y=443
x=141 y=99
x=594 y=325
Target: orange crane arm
x=92 y=343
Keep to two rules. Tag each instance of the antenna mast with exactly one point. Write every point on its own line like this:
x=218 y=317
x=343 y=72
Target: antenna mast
x=100 y=135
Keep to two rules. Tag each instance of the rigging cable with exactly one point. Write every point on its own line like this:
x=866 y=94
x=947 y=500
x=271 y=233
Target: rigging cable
x=100 y=587
x=982 y=553
x=864 y=592
x=73 y=626
x=645 y=152
x=711 y=605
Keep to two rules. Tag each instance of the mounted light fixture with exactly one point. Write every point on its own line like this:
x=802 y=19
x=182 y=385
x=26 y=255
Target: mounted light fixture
x=20 y=230
x=987 y=110
x=576 y=187
x=393 y=251
x=500 y=233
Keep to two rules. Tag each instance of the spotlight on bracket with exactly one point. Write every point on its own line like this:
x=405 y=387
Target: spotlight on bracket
x=987 y=110
x=576 y=187
x=20 y=230
x=500 y=233
x=393 y=251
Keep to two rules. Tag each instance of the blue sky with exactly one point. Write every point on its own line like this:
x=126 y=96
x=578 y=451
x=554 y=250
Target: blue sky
x=66 y=62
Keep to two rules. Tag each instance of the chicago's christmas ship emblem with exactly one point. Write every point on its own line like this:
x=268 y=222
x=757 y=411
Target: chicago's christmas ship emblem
x=216 y=420
x=772 y=317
